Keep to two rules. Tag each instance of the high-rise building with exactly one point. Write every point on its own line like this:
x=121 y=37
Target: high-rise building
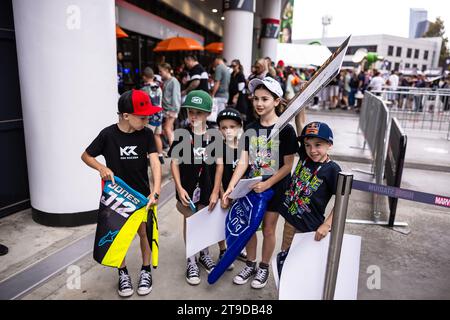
x=417 y=22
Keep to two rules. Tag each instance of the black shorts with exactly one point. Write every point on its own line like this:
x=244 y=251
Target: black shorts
x=277 y=200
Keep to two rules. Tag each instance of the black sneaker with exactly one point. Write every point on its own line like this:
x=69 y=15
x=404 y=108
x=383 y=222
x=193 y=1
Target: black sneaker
x=260 y=281
x=207 y=262
x=231 y=266
x=125 y=286
x=192 y=273
x=245 y=274
x=145 y=283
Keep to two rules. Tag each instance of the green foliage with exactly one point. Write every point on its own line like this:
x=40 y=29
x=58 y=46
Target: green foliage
x=437 y=29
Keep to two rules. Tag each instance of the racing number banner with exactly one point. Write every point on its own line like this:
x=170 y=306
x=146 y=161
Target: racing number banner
x=122 y=210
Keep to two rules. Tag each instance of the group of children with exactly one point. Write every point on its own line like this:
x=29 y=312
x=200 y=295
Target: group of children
x=204 y=177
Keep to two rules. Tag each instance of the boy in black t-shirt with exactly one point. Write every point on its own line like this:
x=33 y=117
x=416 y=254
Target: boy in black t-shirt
x=230 y=125
x=312 y=185
x=126 y=147
x=196 y=175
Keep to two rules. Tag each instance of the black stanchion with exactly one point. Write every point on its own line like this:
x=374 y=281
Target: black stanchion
x=395 y=160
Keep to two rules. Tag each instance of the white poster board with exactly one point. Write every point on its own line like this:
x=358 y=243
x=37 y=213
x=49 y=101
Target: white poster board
x=320 y=79
x=243 y=187
x=303 y=273
x=205 y=228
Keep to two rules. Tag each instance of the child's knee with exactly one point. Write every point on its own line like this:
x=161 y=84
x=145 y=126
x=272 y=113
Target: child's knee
x=142 y=232
x=268 y=231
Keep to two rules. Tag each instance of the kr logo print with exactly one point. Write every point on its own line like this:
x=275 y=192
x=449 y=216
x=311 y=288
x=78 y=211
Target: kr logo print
x=128 y=152
x=200 y=154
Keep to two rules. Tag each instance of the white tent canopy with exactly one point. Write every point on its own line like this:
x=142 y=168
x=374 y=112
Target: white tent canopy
x=302 y=55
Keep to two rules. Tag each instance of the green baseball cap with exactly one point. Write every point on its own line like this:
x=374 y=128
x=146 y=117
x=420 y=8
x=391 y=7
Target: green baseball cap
x=198 y=99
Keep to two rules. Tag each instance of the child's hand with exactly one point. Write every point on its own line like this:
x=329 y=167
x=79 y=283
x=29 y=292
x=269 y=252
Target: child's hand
x=322 y=231
x=152 y=200
x=225 y=204
x=261 y=186
x=184 y=197
x=227 y=193
x=213 y=201
x=106 y=174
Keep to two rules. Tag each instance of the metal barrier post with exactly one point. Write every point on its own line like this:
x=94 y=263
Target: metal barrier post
x=344 y=187
x=448 y=131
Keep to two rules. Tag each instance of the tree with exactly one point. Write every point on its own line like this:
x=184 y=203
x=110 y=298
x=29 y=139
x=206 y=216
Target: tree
x=437 y=29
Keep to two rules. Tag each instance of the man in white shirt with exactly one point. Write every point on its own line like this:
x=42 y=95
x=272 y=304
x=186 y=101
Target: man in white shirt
x=393 y=81
x=377 y=82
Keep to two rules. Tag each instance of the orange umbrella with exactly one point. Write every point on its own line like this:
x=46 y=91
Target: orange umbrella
x=178 y=44
x=120 y=33
x=215 y=47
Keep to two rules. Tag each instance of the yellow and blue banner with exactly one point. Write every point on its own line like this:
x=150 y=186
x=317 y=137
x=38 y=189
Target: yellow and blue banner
x=122 y=210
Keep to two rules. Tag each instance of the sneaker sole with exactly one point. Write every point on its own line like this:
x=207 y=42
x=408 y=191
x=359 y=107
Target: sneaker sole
x=144 y=292
x=259 y=285
x=239 y=282
x=193 y=283
x=125 y=294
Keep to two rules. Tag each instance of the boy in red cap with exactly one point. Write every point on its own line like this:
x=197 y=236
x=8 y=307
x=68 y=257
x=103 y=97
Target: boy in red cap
x=126 y=147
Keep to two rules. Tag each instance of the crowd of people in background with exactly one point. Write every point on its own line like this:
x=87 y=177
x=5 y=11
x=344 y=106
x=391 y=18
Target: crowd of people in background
x=228 y=86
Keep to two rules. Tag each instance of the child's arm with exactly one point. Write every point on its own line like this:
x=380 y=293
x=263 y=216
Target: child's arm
x=300 y=121
x=217 y=183
x=182 y=194
x=105 y=172
x=325 y=227
x=237 y=174
x=278 y=176
x=156 y=174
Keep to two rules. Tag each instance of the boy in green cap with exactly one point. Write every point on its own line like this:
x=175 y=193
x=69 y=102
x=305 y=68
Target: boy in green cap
x=197 y=177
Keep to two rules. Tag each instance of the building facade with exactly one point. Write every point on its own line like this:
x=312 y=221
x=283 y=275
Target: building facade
x=399 y=53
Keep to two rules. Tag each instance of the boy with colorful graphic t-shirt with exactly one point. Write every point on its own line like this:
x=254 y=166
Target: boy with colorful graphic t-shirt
x=312 y=185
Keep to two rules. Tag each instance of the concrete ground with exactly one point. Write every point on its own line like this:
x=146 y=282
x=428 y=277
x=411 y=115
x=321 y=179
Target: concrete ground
x=413 y=266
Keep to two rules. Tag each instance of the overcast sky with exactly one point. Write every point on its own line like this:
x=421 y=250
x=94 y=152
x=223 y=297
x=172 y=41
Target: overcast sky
x=363 y=17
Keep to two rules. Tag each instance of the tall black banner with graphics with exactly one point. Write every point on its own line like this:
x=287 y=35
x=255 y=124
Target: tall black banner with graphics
x=395 y=160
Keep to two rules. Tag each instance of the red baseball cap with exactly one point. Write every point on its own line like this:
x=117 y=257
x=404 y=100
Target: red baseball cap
x=137 y=102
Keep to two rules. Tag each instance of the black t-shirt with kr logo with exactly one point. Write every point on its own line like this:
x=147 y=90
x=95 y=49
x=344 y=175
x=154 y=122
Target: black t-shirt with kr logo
x=126 y=154
x=198 y=167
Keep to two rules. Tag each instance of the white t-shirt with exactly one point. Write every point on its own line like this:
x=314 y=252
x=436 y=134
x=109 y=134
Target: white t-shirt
x=393 y=79
x=376 y=83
